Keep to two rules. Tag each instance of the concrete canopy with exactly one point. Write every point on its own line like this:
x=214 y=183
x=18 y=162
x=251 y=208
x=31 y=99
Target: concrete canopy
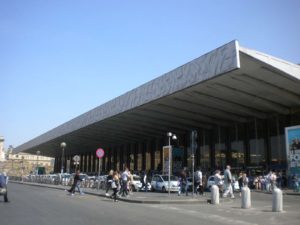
x=227 y=85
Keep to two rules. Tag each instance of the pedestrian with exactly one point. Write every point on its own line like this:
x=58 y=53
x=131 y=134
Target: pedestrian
x=279 y=180
x=3 y=186
x=240 y=181
x=245 y=180
x=268 y=181
x=295 y=183
x=76 y=184
x=273 y=179
x=124 y=177
x=114 y=185
x=227 y=182
x=198 y=183
x=183 y=183
x=219 y=181
x=109 y=179
x=130 y=183
x=144 y=180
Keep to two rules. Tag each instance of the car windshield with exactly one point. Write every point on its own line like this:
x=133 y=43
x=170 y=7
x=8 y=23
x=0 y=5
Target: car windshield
x=82 y=176
x=172 y=178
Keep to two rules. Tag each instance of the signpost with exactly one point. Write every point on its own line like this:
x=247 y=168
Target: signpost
x=99 y=153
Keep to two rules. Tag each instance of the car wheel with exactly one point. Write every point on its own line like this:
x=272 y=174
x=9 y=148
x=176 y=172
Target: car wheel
x=163 y=189
x=152 y=189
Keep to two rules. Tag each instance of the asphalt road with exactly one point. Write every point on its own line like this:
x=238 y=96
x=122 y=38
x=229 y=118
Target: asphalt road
x=31 y=205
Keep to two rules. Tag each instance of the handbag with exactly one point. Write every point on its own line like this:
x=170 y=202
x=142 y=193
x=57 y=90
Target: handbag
x=113 y=185
x=3 y=191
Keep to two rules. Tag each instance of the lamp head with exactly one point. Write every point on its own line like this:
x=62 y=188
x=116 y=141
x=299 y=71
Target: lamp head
x=63 y=145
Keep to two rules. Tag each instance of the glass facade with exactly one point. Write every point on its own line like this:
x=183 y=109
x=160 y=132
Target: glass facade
x=219 y=139
x=205 y=151
x=237 y=146
x=258 y=145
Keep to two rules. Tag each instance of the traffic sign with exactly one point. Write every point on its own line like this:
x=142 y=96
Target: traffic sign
x=76 y=158
x=100 y=153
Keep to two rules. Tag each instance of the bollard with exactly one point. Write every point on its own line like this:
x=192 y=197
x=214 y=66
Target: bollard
x=215 y=195
x=246 y=198
x=277 y=200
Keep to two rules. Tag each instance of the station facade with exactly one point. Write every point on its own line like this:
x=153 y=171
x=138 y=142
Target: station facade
x=238 y=101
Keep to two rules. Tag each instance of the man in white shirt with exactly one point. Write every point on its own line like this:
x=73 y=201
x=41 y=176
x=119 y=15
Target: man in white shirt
x=124 y=177
x=227 y=182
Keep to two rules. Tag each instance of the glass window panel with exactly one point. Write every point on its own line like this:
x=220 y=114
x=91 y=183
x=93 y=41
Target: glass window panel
x=220 y=148
x=257 y=143
x=237 y=147
x=204 y=150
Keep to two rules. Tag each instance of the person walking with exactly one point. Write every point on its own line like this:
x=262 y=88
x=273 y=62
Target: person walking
x=219 y=181
x=183 y=183
x=76 y=184
x=145 y=180
x=124 y=177
x=227 y=182
x=109 y=179
x=130 y=182
x=295 y=183
x=114 y=185
x=198 y=184
x=3 y=185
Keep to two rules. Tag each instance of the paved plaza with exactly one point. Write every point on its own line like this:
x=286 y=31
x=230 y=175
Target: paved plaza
x=40 y=205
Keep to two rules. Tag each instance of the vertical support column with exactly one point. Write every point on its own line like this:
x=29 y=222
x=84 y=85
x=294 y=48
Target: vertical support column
x=227 y=147
x=104 y=160
x=56 y=165
x=268 y=155
x=143 y=149
x=129 y=158
x=247 y=145
x=94 y=162
x=160 y=145
x=109 y=153
x=81 y=162
x=85 y=162
x=186 y=144
x=121 y=152
x=148 y=149
x=89 y=162
x=135 y=152
x=213 y=150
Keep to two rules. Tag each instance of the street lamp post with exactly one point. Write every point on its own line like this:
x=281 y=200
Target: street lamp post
x=62 y=145
x=173 y=136
x=37 y=162
x=22 y=168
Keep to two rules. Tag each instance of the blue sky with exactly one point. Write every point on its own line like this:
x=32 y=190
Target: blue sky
x=60 y=58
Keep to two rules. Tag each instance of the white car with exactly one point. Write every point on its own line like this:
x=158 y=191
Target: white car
x=161 y=183
x=211 y=182
x=136 y=184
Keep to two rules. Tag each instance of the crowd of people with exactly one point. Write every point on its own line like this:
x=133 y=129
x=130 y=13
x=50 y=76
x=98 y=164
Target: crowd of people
x=121 y=183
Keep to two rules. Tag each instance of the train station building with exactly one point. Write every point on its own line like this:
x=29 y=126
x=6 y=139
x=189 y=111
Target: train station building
x=239 y=101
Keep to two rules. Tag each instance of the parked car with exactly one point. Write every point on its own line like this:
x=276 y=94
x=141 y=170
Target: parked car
x=137 y=184
x=160 y=183
x=211 y=181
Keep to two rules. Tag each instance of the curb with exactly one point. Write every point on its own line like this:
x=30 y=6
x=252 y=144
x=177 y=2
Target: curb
x=128 y=200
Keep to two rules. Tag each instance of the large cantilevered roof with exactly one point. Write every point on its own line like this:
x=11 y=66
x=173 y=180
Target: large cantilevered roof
x=227 y=85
